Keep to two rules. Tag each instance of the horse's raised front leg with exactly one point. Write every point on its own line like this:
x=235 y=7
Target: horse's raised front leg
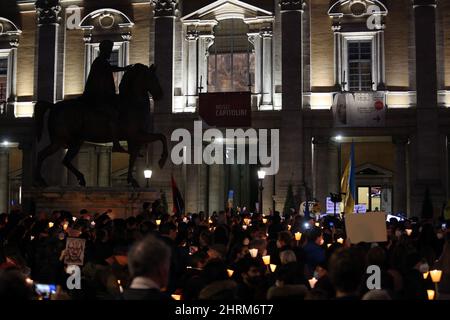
x=42 y=155
x=67 y=162
x=145 y=138
x=133 y=150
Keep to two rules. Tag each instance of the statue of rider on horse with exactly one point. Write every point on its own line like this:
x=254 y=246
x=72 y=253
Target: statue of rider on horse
x=100 y=116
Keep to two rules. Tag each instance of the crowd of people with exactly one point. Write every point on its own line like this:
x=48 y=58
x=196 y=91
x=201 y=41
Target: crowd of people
x=225 y=255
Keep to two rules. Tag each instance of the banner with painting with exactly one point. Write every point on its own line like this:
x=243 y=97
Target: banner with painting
x=359 y=109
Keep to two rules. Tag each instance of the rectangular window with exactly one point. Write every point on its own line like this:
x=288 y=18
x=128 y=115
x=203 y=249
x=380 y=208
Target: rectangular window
x=360 y=65
x=3 y=79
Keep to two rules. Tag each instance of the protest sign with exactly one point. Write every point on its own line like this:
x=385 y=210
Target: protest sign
x=74 y=254
x=368 y=227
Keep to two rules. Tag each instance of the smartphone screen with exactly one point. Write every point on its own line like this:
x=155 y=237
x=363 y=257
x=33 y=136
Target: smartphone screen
x=45 y=291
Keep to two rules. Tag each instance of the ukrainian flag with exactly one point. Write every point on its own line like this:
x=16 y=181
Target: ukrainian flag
x=348 y=183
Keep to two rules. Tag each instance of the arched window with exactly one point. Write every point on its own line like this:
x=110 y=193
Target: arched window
x=107 y=24
x=231 y=62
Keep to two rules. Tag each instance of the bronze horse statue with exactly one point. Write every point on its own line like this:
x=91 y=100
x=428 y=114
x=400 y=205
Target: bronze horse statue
x=72 y=122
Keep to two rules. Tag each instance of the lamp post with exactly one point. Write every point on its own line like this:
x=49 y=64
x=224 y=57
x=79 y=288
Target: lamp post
x=261 y=176
x=148 y=175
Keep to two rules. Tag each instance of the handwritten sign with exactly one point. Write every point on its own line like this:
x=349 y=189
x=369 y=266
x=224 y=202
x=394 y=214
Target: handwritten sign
x=74 y=251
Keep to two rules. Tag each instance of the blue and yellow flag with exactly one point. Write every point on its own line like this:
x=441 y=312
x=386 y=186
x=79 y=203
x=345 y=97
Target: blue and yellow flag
x=348 y=185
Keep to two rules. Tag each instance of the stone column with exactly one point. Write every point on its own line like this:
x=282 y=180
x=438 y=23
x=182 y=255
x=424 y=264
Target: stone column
x=337 y=57
x=292 y=53
x=333 y=168
x=204 y=43
x=291 y=133
x=321 y=166
x=400 y=182
x=164 y=12
x=216 y=198
x=28 y=162
x=381 y=85
x=255 y=39
x=267 y=98
x=46 y=77
x=4 y=179
x=12 y=78
x=191 y=79
x=429 y=172
x=104 y=166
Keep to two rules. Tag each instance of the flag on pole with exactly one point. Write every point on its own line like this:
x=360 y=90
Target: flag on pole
x=178 y=202
x=348 y=183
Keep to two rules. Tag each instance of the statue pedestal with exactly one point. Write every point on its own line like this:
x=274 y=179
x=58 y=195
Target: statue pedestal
x=124 y=202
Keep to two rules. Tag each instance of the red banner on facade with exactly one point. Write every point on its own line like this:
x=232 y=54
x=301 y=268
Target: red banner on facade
x=226 y=109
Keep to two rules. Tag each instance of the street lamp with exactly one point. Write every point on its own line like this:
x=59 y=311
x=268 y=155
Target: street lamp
x=261 y=176
x=148 y=175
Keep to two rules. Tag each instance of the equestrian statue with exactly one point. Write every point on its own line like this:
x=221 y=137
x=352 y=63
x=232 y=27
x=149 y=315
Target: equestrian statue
x=102 y=116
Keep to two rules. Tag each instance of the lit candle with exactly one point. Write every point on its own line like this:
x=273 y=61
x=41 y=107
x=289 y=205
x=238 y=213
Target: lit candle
x=298 y=236
x=210 y=221
x=120 y=286
x=273 y=267
x=92 y=224
x=264 y=220
x=425 y=275
x=32 y=238
x=230 y=272
x=328 y=245
x=312 y=282
x=289 y=227
x=158 y=222
x=29 y=281
x=340 y=240
x=247 y=221
x=266 y=260
x=436 y=275
x=176 y=297
x=408 y=232
x=65 y=226
x=51 y=224
x=253 y=252
x=431 y=294
x=244 y=227
x=74 y=219
x=317 y=224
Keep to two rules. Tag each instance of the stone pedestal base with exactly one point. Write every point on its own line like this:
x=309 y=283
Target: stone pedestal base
x=123 y=202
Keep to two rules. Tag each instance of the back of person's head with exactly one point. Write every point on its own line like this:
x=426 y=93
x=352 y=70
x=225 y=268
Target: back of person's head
x=150 y=257
x=314 y=234
x=146 y=205
x=377 y=295
x=285 y=237
x=215 y=270
x=287 y=256
x=198 y=259
x=13 y=286
x=346 y=269
x=167 y=228
x=376 y=256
